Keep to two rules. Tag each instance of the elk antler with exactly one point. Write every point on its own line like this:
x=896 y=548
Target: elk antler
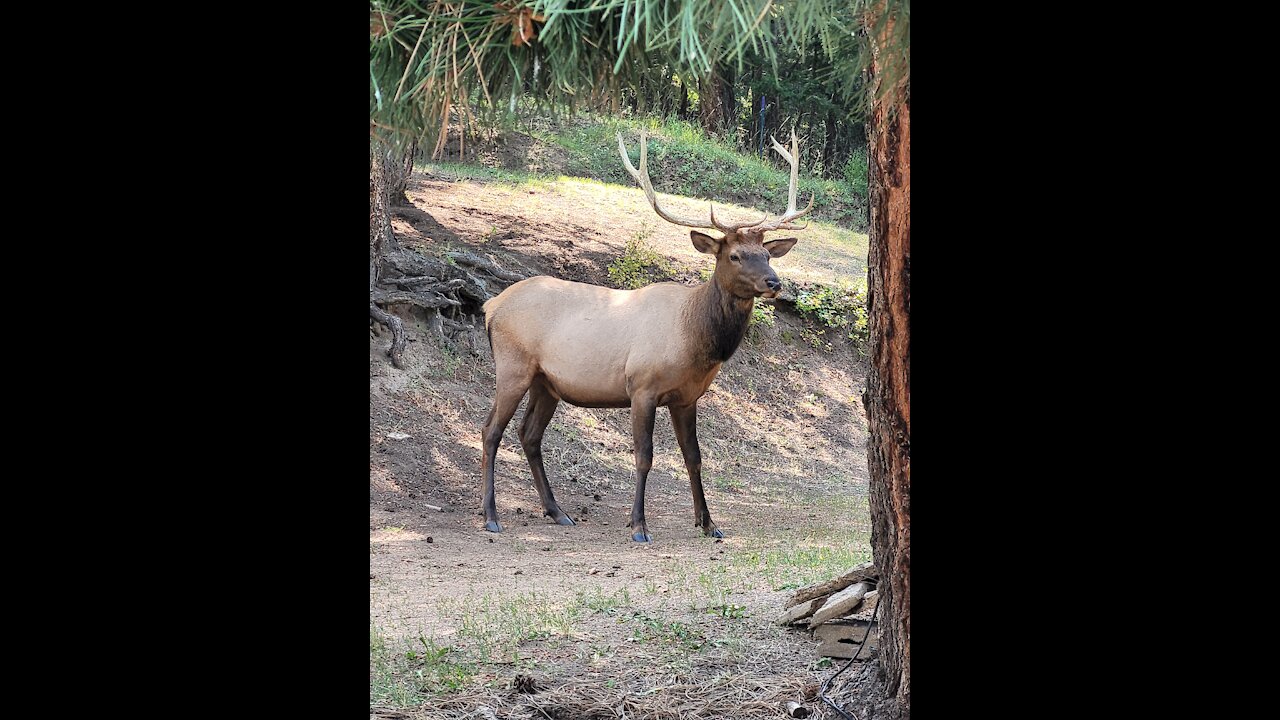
x=642 y=178
x=784 y=222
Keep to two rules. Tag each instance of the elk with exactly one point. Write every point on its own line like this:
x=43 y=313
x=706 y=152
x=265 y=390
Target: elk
x=661 y=345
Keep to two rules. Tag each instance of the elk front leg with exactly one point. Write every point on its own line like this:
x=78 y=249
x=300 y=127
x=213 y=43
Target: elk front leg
x=642 y=414
x=685 y=421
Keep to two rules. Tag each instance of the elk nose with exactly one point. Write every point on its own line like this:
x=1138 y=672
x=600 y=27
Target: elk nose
x=773 y=284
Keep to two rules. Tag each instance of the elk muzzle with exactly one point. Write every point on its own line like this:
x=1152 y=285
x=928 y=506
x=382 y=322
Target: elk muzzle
x=772 y=287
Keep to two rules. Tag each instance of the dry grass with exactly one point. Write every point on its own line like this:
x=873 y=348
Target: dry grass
x=634 y=694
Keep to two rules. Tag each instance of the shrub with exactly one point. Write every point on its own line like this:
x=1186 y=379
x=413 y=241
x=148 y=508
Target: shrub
x=763 y=315
x=855 y=171
x=836 y=306
x=639 y=264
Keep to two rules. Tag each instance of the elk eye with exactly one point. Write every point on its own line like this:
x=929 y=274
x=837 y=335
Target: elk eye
x=734 y=257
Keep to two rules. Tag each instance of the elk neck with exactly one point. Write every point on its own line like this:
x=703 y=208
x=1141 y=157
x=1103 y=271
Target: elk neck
x=718 y=320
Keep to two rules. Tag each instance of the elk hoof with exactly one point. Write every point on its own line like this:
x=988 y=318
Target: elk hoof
x=493 y=526
x=565 y=520
x=642 y=537
x=713 y=532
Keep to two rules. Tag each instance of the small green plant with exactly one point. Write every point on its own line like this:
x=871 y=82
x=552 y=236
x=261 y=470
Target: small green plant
x=640 y=264
x=761 y=316
x=817 y=339
x=597 y=600
x=448 y=363
x=409 y=675
x=494 y=627
x=666 y=631
x=729 y=612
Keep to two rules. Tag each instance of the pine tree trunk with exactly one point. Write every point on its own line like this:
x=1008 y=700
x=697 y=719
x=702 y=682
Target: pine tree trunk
x=829 y=147
x=888 y=395
x=382 y=241
x=399 y=170
x=728 y=102
x=710 y=97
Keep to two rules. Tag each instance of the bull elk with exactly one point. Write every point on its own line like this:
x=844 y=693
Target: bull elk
x=661 y=345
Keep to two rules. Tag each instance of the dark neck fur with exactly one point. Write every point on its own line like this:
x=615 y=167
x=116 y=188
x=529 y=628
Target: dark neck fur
x=720 y=319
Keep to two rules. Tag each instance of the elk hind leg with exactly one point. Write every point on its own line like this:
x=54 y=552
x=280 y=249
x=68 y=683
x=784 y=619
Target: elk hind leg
x=511 y=388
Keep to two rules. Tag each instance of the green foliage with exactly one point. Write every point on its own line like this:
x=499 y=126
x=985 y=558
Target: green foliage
x=836 y=306
x=762 y=314
x=683 y=160
x=494 y=627
x=729 y=612
x=640 y=264
x=761 y=317
x=599 y=601
x=427 y=61
x=410 y=673
x=667 y=632
x=855 y=172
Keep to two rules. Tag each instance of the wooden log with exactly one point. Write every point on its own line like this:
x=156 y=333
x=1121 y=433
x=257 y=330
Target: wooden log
x=841 y=639
x=799 y=612
x=865 y=571
x=841 y=630
x=867 y=609
x=842 y=603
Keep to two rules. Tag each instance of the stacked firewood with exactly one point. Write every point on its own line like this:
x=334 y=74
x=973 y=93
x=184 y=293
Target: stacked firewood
x=838 y=612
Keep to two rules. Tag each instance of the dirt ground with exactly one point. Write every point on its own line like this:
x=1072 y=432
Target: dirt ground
x=592 y=623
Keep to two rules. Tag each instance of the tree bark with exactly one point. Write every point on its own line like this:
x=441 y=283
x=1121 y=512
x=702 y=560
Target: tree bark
x=829 y=147
x=382 y=241
x=710 y=97
x=888 y=394
x=728 y=102
x=398 y=172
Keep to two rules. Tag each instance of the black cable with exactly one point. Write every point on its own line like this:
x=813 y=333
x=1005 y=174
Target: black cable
x=822 y=691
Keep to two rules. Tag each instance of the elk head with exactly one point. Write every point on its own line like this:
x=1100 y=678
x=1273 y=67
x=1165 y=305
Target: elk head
x=742 y=255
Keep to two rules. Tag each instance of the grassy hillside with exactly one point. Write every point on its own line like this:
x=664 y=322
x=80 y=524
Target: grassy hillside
x=682 y=161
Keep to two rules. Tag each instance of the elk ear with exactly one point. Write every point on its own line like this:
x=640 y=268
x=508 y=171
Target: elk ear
x=705 y=243
x=778 y=248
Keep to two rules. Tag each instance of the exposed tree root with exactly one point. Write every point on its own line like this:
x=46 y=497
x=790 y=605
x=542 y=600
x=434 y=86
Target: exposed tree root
x=459 y=282
x=398 y=339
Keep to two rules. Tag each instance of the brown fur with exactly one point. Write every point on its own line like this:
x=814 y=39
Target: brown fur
x=592 y=346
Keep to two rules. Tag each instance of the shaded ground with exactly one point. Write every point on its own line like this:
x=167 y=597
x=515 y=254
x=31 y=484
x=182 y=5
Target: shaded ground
x=595 y=623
